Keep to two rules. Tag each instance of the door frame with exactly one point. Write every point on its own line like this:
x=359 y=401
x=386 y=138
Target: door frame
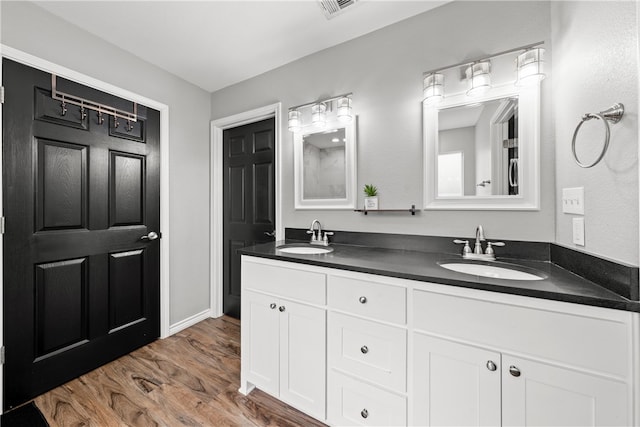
x=216 y=201
x=50 y=67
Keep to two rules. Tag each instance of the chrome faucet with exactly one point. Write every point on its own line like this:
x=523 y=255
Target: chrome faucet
x=479 y=238
x=478 y=253
x=317 y=236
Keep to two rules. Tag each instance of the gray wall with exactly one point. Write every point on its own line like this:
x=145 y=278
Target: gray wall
x=384 y=71
x=595 y=64
x=461 y=139
x=31 y=29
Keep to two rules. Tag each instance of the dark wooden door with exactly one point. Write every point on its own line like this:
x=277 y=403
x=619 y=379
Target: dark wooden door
x=249 y=199
x=80 y=286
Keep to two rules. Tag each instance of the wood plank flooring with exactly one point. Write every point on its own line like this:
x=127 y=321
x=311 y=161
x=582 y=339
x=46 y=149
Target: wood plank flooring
x=188 y=379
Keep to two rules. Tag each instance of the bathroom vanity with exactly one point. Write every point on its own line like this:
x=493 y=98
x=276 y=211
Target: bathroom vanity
x=371 y=336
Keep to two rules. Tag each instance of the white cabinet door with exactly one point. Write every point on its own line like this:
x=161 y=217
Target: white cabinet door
x=455 y=384
x=261 y=323
x=538 y=394
x=303 y=357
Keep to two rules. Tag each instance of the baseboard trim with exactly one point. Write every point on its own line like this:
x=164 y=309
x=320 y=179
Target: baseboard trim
x=189 y=321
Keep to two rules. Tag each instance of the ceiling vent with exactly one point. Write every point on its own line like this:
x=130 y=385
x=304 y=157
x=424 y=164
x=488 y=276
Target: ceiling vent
x=333 y=8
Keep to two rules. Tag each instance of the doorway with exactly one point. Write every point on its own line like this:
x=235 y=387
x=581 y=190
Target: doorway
x=217 y=189
x=81 y=285
x=248 y=197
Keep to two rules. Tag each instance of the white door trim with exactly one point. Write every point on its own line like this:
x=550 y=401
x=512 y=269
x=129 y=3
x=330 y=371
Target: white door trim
x=50 y=67
x=215 y=198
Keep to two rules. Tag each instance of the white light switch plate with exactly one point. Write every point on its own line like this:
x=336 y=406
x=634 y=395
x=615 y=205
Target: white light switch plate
x=573 y=200
x=578 y=231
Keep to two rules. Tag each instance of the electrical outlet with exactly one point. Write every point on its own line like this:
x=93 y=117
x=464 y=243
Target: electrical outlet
x=573 y=200
x=578 y=231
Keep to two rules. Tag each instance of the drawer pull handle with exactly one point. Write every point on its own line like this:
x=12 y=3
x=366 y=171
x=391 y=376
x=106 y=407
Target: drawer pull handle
x=364 y=349
x=491 y=366
x=272 y=305
x=363 y=300
x=514 y=371
x=281 y=308
x=364 y=413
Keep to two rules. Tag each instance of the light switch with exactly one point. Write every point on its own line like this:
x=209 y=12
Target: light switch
x=578 y=231
x=573 y=200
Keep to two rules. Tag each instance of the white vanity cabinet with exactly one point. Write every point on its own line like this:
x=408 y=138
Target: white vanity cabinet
x=478 y=361
x=350 y=348
x=367 y=351
x=283 y=335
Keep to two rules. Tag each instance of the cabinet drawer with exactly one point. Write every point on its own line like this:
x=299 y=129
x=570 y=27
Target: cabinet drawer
x=368 y=350
x=582 y=340
x=368 y=298
x=352 y=402
x=285 y=281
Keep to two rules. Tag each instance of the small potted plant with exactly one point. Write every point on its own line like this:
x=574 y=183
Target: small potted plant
x=371 y=197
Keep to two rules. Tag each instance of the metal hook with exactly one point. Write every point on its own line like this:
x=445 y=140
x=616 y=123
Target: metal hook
x=83 y=113
x=129 y=126
x=63 y=107
x=100 y=117
x=115 y=122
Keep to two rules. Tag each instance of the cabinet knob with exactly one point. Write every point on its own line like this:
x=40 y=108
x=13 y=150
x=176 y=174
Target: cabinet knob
x=363 y=300
x=281 y=308
x=491 y=366
x=514 y=371
x=364 y=413
x=272 y=305
x=364 y=349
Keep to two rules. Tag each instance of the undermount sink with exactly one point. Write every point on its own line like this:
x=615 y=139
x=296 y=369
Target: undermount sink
x=495 y=270
x=304 y=249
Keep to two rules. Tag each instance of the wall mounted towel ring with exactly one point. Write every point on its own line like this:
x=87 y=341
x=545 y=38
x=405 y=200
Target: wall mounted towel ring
x=613 y=115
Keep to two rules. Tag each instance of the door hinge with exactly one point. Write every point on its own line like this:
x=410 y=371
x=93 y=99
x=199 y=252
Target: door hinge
x=1 y=94
x=2 y=355
x=2 y=224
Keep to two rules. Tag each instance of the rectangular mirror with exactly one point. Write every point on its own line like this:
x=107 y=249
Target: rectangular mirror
x=482 y=153
x=325 y=167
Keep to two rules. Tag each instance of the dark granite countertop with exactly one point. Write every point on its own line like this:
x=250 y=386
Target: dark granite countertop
x=559 y=284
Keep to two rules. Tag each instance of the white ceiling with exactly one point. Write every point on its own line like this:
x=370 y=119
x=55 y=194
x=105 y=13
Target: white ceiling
x=214 y=44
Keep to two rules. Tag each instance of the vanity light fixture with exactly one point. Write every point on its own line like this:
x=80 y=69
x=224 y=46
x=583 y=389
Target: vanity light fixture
x=318 y=113
x=476 y=74
x=295 y=122
x=344 y=109
x=478 y=77
x=530 y=66
x=433 y=88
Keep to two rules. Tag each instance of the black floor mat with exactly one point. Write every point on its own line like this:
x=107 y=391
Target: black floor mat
x=25 y=416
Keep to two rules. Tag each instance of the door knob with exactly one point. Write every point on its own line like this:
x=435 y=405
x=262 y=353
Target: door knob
x=151 y=236
x=282 y=308
x=364 y=413
x=363 y=300
x=272 y=305
x=491 y=366
x=364 y=349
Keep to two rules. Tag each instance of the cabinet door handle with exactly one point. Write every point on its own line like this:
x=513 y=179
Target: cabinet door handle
x=364 y=413
x=272 y=305
x=514 y=371
x=363 y=300
x=364 y=349
x=491 y=366
x=281 y=308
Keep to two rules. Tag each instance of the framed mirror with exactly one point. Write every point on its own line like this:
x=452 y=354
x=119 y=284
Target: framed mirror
x=325 y=167
x=483 y=153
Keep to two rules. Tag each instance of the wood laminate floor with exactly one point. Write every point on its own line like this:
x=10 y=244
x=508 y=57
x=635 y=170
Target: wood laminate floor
x=188 y=379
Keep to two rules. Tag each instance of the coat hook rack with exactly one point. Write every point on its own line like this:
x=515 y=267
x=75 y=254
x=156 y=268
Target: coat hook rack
x=83 y=103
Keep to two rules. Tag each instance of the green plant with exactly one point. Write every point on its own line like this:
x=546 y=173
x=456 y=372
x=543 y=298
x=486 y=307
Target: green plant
x=370 y=190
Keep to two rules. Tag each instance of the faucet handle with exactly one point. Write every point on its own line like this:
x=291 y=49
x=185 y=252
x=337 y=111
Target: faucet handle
x=466 y=249
x=489 y=250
